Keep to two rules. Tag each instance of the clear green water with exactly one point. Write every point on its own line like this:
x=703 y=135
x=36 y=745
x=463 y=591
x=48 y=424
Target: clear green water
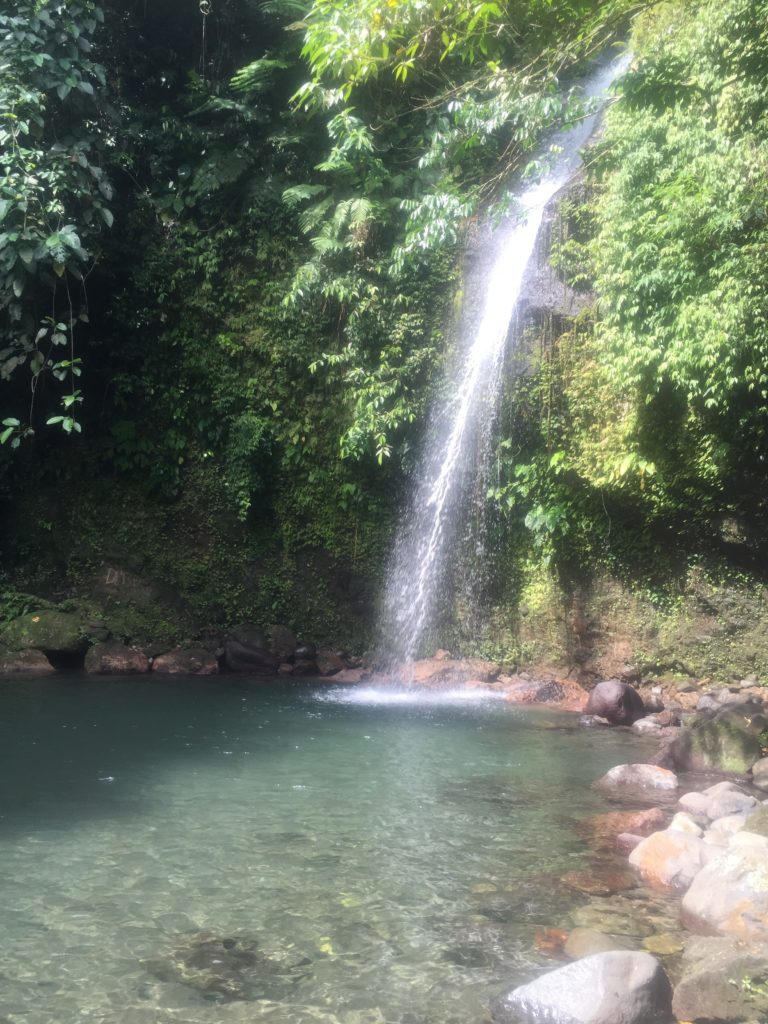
x=408 y=851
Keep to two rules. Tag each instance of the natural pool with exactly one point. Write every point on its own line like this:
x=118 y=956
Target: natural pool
x=392 y=859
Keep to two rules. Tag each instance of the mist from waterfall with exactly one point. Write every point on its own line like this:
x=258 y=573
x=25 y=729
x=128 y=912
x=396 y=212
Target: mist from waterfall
x=453 y=468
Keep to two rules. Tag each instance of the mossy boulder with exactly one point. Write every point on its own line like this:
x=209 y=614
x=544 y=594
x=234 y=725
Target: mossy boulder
x=56 y=631
x=723 y=742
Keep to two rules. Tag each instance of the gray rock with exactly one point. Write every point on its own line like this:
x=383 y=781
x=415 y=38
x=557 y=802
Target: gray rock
x=712 y=985
x=615 y=701
x=723 y=742
x=637 y=777
x=730 y=895
x=282 y=642
x=246 y=649
x=607 y=988
x=726 y=798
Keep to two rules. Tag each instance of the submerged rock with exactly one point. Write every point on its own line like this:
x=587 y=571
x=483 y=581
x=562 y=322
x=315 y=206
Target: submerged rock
x=587 y=941
x=618 y=987
x=229 y=968
x=113 y=658
x=602 y=830
x=617 y=702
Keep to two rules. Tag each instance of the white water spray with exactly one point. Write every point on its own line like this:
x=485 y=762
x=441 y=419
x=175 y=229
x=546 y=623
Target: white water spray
x=460 y=443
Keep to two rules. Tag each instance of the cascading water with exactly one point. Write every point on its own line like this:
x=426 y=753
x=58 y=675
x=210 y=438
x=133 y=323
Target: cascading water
x=454 y=464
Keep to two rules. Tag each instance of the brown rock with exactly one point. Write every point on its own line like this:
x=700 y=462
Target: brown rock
x=115 y=659
x=350 y=675
x=601 y=830
x=24 y=663
x=670 y=860
x=187 y=662
x=533 y=691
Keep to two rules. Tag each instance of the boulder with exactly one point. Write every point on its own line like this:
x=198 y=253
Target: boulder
x=618 y=987
x=726 y=798
x=760 y=774
x=724 y=742
x=350 y=675
x=637 y=777
x=615 y=701
x=47 y=630
x=717 y=981
x=305 y=651
x=450 y=672
x=329 y=662
x=669 y=861
x=282 y=642
x=115 y=659
x=730 y=895
x=186 y=661
x=683 y=822
x=24 y=663
x=246 y=649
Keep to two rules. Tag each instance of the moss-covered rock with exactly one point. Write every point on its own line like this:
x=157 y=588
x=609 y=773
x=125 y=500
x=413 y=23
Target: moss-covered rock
x=56 y=631
x=724 y=742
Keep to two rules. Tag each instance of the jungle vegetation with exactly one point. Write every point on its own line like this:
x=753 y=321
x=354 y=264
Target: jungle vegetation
x=230 y=253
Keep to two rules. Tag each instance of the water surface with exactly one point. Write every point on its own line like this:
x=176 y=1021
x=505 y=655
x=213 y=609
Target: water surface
x=404 y=853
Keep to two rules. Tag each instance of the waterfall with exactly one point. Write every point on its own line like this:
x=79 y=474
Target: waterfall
x=453 y=466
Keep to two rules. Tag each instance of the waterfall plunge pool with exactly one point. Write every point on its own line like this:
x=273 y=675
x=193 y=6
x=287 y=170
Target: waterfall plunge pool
x=222 y=850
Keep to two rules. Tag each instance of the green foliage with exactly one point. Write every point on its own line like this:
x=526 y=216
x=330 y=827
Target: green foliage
x=53 y=192
x=679 y=255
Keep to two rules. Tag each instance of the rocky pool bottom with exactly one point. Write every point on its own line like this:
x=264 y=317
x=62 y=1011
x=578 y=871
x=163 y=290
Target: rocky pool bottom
x=200 y=851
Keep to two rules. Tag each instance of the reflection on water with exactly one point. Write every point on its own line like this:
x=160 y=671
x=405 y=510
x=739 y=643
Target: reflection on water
x=349 y=856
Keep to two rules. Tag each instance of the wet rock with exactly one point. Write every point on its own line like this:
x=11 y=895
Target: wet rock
x=47 y=630
x=24 y=663
x=606 y=988
x=626 y=842
x=550 y=941
x=610 y=917
x=601 y=830
x=282 y=642
x=636 y=777
x=229 y=968
x=663 y=944
x=587 y=941
x=450 y=672
x=669 y=861
x=186 y=661
x=115 y=659
x=350 y=675
x=723 y=742
x=730 y=895
x=616 y=701
x=246 y=649
x=533 y=691
x=712 y=986
x=329 y=662
x=305 y=651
